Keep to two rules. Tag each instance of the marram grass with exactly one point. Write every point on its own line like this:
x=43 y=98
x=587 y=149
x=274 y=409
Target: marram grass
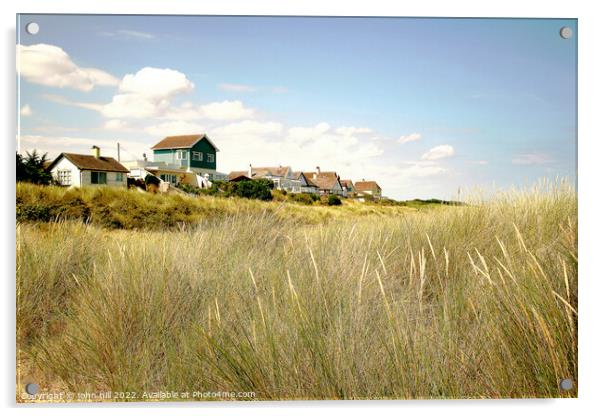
x=475 y=301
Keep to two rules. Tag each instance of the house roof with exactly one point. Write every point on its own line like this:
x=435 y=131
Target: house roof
x=182 y=142
x=280 y=171
x=366 y=186
x=89 y=162
x=347 y=183
x=323 y=180
x=299 y=174
x=236 y=174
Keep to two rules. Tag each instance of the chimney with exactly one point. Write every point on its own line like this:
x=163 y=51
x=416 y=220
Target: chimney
x=250 y=173
x=318 y=169
x=118 y=152
x=96 y=152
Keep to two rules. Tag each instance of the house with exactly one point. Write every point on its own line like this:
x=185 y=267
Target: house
x=348 y=187
x=282 y=176
x=72 y=169
x=189 y=159
x=306 y=186
x=194 y=153
x=364 y=188
x=327 y=182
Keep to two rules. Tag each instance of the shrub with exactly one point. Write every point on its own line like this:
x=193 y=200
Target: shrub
x=306 y=199
x=253 y=189
x=334 y=200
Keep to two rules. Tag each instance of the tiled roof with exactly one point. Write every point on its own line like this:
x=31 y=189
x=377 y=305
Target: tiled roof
x=89 y=162
x=323 y=180
x=181 y=142
x=366 y=186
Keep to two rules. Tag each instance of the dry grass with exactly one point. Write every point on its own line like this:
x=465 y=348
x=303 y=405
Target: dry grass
x=474 y=301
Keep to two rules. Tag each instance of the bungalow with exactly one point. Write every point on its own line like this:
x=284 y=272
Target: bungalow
x=282 y=176
x=348 y=187
x=327 y=182
x=364 y=188
x=306 y=186
x=72 y=169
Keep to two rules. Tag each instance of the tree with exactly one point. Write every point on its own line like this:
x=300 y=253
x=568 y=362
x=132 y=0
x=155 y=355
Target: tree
x=32 y=168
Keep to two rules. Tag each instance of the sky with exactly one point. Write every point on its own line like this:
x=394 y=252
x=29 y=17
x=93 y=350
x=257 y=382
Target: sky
x=428 y=108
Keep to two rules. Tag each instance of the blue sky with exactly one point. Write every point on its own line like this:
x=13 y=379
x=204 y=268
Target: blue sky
x=423 y=106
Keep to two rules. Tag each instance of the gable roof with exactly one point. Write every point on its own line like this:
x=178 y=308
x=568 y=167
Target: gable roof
x=323 y=180
x=89 y=162
x=300 y=176
x=182 y=142
x=348 y=183
x=366 y=186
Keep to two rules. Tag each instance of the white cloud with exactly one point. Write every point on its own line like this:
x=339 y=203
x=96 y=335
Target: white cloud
x=51 y=66
x=54 y=145
x=115 y=124
x=225 y=110
x=236 y=87
x=172 y=128
x=26 y=111
x=350 y=131
x=439 y=152
x=409 y=138
x=156 y=83
x=532 y=159
x=147 y=93
x=249 y=128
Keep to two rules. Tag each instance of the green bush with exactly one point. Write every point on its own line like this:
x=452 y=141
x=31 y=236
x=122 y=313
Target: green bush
x=306 y=199
x=253 y=189
x=334 y=200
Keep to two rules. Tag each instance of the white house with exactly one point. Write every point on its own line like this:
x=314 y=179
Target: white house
x=283 y=177
x=72 y=169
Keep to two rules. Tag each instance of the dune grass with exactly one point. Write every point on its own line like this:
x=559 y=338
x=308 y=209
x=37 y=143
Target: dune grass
x=474 y=301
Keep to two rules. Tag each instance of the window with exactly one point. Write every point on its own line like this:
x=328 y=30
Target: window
x=99 y=178
x=64 y=177
x=182 y=154
x=210 y=157
x=197 y=156
x=119 y=177
x=169 y=178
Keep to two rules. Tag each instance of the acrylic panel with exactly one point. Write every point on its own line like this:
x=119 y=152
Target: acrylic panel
x=295 y=208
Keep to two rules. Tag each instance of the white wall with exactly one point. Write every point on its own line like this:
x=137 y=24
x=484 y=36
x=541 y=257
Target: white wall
x=65 y=164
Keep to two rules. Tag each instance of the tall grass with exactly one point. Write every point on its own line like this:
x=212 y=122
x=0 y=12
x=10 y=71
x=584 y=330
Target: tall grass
x=469 y=301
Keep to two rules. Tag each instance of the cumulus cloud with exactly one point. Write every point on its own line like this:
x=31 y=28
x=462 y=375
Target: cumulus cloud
x=532 y=159
x=225 y=110
x=439 y=152
x=171 y=128
x=409 y=138
x=51 y=66
x=115 y=124
x=25 y=111
x=54 y=145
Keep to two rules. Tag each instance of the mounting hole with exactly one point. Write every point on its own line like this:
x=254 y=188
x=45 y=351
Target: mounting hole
x=566 y=384
x=32 y=388
x=566 y=32
x=32 y=28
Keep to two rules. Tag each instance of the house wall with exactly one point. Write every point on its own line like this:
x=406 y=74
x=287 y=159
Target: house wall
x=203 y=146
x=86 y=179
x=65 y=164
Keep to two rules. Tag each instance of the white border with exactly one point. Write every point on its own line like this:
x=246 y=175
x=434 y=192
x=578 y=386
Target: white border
x=590 y=207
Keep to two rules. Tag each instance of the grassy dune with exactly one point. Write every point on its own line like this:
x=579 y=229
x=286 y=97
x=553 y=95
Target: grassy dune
x=471 y=301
